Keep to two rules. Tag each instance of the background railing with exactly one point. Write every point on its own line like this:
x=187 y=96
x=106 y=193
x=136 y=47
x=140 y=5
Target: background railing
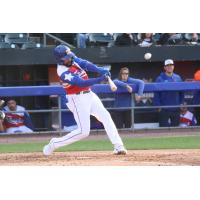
x=45 y=35
x=99 y=88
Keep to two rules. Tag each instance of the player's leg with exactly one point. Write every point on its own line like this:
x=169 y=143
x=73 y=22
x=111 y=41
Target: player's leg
x=81 y=112
x=25 y=129
x=98 y=110
x=13 y=130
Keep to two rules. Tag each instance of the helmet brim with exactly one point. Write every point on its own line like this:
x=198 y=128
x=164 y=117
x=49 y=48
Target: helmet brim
x=68 y=56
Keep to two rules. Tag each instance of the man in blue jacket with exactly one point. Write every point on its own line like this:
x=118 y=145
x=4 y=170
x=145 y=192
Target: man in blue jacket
x=168 y=116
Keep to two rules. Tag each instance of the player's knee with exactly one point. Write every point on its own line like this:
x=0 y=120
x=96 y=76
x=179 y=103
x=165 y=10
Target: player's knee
x=107 y=115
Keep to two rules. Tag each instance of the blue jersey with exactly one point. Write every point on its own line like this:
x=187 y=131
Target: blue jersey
x=168 y=97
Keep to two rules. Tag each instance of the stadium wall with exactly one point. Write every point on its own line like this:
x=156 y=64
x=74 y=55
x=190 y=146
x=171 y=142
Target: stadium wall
x=101 y=55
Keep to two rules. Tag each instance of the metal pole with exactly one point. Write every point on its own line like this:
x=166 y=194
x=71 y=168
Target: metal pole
x=44 y=40
x=58 y=39
x=59 y=115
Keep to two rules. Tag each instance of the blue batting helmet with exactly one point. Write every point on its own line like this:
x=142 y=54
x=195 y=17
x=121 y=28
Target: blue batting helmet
x=61 y=53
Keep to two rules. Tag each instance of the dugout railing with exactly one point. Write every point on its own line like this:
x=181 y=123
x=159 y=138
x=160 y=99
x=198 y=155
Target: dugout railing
x=99 y=88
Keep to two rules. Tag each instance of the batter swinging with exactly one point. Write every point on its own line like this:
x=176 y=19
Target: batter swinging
x=82 y=102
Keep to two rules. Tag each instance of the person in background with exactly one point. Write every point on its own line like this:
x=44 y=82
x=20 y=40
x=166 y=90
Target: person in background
x=196 y=98
x=122 y=117
x=146 y=40
x=126 y=39
x=187 y=118
x=147 y=97
x=171 y=39
x=16 y=121
x=168 y=116
x=81 y=40
x=192 y=39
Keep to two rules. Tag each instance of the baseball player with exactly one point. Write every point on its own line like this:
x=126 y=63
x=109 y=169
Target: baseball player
x=82 y=102
x=187 y=118
x=18 y=121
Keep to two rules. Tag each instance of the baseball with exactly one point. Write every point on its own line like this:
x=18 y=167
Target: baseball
x=147 y=56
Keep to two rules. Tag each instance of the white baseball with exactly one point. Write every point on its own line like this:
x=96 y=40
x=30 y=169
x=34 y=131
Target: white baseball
x=147 y=56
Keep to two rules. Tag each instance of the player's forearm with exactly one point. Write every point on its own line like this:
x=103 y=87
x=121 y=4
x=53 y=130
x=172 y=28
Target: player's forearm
x=139 y=83
x=120 y=83
x=87 y=65
x=140 y=88
x=89 y=82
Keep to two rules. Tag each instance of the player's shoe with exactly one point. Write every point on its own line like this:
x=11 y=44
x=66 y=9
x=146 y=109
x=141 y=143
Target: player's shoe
x=120 y=150
x=49 y=148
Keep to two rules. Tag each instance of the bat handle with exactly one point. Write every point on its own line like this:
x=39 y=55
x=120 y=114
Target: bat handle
x=112 y=84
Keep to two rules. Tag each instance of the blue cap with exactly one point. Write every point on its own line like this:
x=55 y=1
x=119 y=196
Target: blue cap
x=62 y=52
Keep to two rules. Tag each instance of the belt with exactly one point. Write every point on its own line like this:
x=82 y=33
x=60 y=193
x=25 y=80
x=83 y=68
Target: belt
x=82 y=92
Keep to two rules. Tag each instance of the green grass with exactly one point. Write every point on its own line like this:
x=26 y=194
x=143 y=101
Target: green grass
x=181 y=142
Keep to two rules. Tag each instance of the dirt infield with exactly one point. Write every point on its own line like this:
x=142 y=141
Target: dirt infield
x=104 y=158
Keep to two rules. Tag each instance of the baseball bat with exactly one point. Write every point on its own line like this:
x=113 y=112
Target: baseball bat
x=113 y=87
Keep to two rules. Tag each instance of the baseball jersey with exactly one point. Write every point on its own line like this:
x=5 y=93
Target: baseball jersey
x=69 y=77
x=187 y=119
x=74 y=78
x=15 y=119
x=168 y=97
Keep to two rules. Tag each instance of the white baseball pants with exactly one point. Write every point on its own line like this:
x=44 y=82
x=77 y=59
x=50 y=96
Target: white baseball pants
x=22 y=129
x=82 y=106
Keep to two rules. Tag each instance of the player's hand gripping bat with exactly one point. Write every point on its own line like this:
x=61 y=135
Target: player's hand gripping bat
x=113 y=87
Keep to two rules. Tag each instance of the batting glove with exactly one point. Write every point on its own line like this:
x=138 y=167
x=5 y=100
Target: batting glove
x=103 y=71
